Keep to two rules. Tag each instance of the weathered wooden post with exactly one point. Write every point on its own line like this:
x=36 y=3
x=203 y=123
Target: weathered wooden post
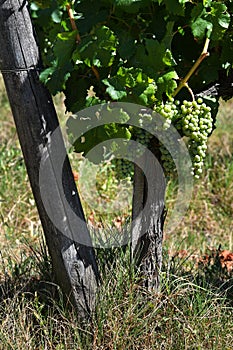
x=148 y=219
x=35 y=118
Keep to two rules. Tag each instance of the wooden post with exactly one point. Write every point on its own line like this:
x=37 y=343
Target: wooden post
x=148 y=220
x=74 y=263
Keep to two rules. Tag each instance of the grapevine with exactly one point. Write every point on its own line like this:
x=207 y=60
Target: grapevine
x=139 y=52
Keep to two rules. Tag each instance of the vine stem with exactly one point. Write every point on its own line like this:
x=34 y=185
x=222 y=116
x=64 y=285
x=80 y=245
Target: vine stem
x=184 y=82
x=78 y=38
x=96 y=73
x=72 y=21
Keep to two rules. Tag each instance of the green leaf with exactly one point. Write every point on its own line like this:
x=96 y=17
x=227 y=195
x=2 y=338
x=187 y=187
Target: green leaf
x=46 y=74
x=118 y=115
x=127 y=45
x=220 y=19
x=183 y=2
x=150 y=57
x=210 y=21
x=175 y=7
x=92 y=134
x=147 y=97
x=167 y=39
x=126 y=2
x=197 y=11
x=130 y=6
x=55 y=77
x=115 y=87
x=56 y=16
x=207 y=3
x=168 y=59
x=200 y=28
x=64 y=46
x=167 y=84
x=97 y=49
x=130 y=84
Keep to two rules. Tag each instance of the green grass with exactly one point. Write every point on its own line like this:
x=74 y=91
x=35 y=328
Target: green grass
x=194 y=307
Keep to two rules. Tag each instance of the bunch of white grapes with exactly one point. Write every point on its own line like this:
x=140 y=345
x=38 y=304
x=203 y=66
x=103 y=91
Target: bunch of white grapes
x=192 y=119
x=170 y=112
x=197 y=125
x=125 y=168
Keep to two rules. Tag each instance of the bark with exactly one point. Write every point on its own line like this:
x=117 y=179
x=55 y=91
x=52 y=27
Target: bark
x=74 y=263
x=223 y=87
x=148 y=219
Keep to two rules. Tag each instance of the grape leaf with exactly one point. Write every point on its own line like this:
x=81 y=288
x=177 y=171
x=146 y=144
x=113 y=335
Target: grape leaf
x=95 y=134
x=220 y=19
x=200 y=27
x=97 y=49
x=115 y=87
x=167 y=84
x=57 y=16
x=64 y=46
x=150 y=56
x=168 y=59
x=214 y=21
x=130 y=6
x=56 y=77
x=175 y=7
x=130 y=83
x=127 y=46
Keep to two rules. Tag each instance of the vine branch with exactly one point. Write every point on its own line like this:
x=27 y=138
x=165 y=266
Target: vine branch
x=72 y=21
x=184 y=82
x=96 y=73
x=78 y=38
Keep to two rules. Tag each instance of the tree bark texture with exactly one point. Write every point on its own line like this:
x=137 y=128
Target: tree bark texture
x=148 y=218
x=35 y=118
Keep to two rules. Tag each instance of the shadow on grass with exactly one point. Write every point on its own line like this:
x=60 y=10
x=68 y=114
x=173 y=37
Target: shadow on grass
x=32 y=274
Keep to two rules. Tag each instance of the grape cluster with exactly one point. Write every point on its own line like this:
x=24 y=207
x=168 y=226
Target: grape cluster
x=143 y=137
x=192 y=119
x=197 y=125
x=123 y=168
x=169 y=111
x=145 y=122
x=167 y=161
x=140 y=135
